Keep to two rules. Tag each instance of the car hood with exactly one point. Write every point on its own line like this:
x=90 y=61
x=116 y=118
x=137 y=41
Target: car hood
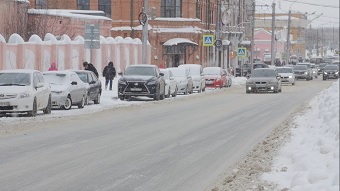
x=211 y=76
x=14 y=89
x=330 y=70
x=179 y=79
x=196 y=77
x=57 y=88
x=136 y=78
x=285 y=74
x=261 y=79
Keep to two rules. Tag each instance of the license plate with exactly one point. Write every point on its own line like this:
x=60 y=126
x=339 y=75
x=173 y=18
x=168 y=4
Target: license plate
x=136 y=89
x=4 y=103
x=209 y=82
x=331 y=75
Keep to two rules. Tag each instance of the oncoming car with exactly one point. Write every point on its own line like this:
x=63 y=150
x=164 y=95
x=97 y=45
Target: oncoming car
x=264 y=80
x=331 y=71
x=142 y=80
x=24 y=91
x=287 y=75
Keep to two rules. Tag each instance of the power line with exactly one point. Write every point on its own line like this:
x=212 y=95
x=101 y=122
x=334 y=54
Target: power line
x=319 y=5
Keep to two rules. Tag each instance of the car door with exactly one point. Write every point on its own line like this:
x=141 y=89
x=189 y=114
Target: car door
x=96 y=86
x=39 y=93
x=45 y=90
x=76 y=91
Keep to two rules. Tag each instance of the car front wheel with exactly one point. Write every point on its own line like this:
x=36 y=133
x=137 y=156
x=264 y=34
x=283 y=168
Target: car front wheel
x=68 y=103
x=48 y=108
x=97 y=100
x=82 y=103
x=33 y=113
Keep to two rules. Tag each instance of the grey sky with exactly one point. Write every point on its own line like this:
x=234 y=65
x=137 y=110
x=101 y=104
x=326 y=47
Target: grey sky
x=329 y=9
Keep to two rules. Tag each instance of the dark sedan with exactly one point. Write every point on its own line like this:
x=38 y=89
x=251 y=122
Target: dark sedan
x=331 y=71
x=142 y=80
x=94 y=85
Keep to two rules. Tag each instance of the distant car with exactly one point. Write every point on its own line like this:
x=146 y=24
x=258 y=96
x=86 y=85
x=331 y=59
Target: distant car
x=184 y=80
x=287 y=75
x=314 y=71
x=260 y=65
x=336 y=62
x=264 y=80
x=308 y=70
x=93 y=85
x=321 y=67
x=142 y=80
x=294 y=59
x=170 y=83
x=229 y=77
x=24 y=91
x=331 y=71
x=196 y=72
x=67 y=89
x=215 y=77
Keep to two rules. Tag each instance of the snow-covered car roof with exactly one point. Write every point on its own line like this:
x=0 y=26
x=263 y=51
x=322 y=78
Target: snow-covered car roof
x=19 y=71
x=67 y=72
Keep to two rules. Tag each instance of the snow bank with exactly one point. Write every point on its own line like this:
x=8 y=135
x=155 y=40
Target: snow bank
x=310 y=161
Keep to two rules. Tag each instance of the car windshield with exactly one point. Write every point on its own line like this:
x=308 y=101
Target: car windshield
x=15 y=79
x=322 y=65
x=300 y=67
x=140 y=71
x=263 y=73
x=332 y=67
x=56 y=78
x=260 y=66
x=83 y=77
x=178 y=72
x=284 y=70
x=194 y=71
x=211 y=71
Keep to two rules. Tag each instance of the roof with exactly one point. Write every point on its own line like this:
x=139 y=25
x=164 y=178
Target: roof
x=176 y=41
x=80 y=14
x=19 y=71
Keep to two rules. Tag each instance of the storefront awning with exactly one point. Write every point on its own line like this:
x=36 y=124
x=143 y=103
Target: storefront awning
x=245 y=42
x=176 y=41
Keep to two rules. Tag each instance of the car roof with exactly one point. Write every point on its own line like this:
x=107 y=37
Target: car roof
x=190 y=65
x=19 y=71
x=265 y=69
x=142 y=65
x=84 y=71
x=68 y=72
x=284 y=67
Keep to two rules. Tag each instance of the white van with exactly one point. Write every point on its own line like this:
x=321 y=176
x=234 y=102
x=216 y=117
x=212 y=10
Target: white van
x=195 y=70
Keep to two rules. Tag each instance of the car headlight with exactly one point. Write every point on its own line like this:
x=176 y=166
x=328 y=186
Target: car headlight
x=24 y=95
x=150 y=83
x=336 y=72
x=306 y=73
x=325 y=72
x=313 y=71
x=290 y=77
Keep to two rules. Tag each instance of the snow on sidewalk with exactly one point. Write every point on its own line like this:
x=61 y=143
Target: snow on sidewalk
x=310 y=160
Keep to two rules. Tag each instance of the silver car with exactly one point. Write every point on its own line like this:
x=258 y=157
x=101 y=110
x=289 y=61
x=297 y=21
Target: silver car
x=264 y=80
x=302 y=72
x=287 y=75
x=67 y=89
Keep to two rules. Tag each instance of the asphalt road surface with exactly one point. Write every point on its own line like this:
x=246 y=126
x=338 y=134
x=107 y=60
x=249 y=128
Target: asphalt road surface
x=171 y=145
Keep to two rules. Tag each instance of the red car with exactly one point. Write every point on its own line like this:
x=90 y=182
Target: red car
x=215 y=77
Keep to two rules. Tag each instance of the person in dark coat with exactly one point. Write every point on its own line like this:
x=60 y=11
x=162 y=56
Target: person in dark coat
x=109 y=73
x=90 y=67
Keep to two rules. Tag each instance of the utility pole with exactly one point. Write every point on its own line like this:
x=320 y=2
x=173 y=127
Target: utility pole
x=288 y=38
x=272 y=52
x=317 y=42
x=145 y=33
x=252 y=26
x=217 y=34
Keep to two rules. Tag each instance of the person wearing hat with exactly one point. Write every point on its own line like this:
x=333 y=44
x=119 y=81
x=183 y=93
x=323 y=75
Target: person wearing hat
x=90 y=67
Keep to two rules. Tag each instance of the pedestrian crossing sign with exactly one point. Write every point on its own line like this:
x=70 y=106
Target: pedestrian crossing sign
x=242 y=52
x=208 y=40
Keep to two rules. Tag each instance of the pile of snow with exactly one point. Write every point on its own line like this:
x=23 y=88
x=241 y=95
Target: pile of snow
x=239 y=81
x=310 y=161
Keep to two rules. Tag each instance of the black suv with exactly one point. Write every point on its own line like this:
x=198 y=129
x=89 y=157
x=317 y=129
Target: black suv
x=331 y=71
x=142 y=80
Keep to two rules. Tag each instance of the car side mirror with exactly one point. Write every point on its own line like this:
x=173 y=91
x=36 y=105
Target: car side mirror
x=120 y=73
x=92 y=82
x=171 y=78
x=39 y=85
x=161 y=74
x=74 y=83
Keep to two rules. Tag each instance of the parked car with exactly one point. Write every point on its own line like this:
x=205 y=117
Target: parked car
x=24 y=91
x=184 y=80
x=264 y=80
x=320 y=68
x=93 y=85
x=303 y=72
x=170 y=83
x=336 y=62
x=67 y=89
x=196 y=72
x=287 y=75
x=314 y=70
x=229 y=77
x=215 y=77
x=331 y=71
x=142 y=80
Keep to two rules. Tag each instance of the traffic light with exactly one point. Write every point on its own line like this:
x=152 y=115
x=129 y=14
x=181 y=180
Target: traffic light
x=232 y=54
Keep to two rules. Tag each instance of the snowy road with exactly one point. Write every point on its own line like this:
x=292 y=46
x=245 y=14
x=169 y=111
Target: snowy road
x=170 y=145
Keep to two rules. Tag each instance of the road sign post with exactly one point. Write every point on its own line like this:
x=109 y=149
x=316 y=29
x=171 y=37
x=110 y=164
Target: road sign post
x=92 y=38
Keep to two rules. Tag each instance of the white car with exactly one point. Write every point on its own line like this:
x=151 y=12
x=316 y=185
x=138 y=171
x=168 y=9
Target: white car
x=24 y=91
x=67 y=89
x=314 y=70
x=287 y=75
x=170 y=83
x=196 y=72
x=229 y=77
x=183 y=79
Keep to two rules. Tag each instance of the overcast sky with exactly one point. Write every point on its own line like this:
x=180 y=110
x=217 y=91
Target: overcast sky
x=329 y=9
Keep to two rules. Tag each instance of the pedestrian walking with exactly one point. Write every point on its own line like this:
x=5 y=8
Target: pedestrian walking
x=109 y=73
x=53 y=67
x=90 y=67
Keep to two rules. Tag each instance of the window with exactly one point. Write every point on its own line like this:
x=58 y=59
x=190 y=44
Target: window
x=83 y=4
x=198 y=9
x=39 y=4
x=105 y=5
x=171 y=8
